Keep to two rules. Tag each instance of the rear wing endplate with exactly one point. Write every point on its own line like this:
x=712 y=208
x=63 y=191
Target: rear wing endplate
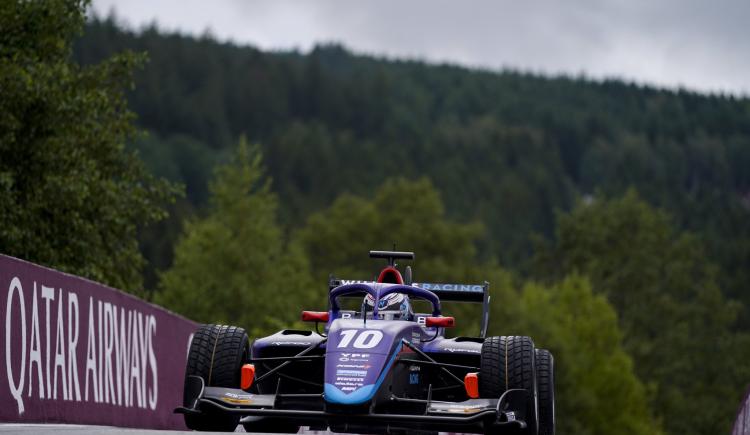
x=475 y=293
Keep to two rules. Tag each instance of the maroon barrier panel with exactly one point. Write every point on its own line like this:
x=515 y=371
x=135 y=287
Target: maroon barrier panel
x=75 y=351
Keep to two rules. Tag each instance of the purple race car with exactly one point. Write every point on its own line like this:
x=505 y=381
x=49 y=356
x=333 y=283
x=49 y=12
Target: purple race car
x=381 y=369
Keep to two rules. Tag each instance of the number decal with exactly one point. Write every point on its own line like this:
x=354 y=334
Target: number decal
x=366 y=340
x=346 y=337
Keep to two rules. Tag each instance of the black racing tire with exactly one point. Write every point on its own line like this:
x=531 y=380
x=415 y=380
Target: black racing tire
x=217 y=354
x=545 y=383
x=507 y=363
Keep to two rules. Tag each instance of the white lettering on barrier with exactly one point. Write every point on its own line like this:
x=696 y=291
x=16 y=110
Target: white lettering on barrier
x=109 y=387
x=152 y=398
x=73 y=325
x=121 y=367
x=142 y=353
x=100 y=367
x=60 y=351
x=48 y=294
x=91 y=358
x=35 y=353
x=122 y=359
x=15 y=389
x=135 y=370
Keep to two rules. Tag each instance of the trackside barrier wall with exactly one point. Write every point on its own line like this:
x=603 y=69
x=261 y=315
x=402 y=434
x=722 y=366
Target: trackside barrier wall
x=742 y=422
x=75 y=351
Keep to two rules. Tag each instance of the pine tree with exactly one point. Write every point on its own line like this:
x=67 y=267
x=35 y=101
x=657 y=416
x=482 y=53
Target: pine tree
x=232 y=266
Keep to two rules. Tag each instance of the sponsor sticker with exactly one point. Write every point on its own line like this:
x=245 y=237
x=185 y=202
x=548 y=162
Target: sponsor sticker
x=238 y=396
x=351 y=372
x=459 y=409
x=451 y=287
x=344 y=378
x=426 y=285
x=237 y=399
x=355 y=357
x=464 y=350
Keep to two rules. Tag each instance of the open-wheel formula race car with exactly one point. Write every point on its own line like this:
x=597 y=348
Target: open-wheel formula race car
x=380 y=369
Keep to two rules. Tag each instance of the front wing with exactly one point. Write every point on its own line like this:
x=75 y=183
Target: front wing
x=506 y=414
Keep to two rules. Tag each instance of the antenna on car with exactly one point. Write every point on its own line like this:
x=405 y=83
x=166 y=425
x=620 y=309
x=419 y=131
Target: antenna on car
x=364 y=314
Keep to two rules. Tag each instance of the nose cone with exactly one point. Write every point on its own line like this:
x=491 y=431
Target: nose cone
x=358 y=356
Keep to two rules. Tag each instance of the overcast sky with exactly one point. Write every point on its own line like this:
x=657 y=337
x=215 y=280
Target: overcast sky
x=700 y=45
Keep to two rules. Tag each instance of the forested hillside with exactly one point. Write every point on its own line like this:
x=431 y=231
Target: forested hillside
x=505 y=149
x=612 y=219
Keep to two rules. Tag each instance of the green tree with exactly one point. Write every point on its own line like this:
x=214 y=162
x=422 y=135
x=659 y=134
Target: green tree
x=597 y=391
x=71 y=197
x=410 y=214
x=504 y=148
x=183 y=160
x=676 y=323
x=233 y=266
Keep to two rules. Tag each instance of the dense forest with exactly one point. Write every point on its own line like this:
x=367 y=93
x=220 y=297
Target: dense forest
x=226 y=183
x=504 y=148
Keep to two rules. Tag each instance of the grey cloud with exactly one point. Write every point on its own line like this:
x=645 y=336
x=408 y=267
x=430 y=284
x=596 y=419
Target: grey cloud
x=703 y=45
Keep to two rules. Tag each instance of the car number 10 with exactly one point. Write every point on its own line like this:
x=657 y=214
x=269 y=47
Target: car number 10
x=366 y=340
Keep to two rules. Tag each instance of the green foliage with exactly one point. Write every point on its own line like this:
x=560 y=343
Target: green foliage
x=233 y=266
x=71 y=197
x=505 y=149
x=597 y=391
x=180 y=159
x=408 y=213
x=677 y=325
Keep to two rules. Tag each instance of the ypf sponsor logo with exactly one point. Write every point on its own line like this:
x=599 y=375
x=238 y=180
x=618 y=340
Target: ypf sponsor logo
x=357 y=357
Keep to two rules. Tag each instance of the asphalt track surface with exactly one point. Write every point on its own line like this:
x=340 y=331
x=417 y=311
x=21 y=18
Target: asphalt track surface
x=74 y=429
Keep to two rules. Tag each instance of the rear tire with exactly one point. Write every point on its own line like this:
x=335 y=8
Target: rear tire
x=545 y=382
x=216 y=354
x=508 y=363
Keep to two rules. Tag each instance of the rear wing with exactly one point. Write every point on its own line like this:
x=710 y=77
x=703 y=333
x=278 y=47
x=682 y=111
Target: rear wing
x=475 y=293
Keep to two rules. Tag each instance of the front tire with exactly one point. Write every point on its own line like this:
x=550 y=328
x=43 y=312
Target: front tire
x=545 y=381
x=507 y=363
x=216 y=354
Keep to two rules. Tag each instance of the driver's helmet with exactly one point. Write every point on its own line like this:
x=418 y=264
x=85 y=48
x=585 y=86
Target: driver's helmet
x=395 y=306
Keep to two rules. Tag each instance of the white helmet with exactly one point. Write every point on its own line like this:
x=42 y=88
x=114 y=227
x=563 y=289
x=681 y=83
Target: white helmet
x=394 y=306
